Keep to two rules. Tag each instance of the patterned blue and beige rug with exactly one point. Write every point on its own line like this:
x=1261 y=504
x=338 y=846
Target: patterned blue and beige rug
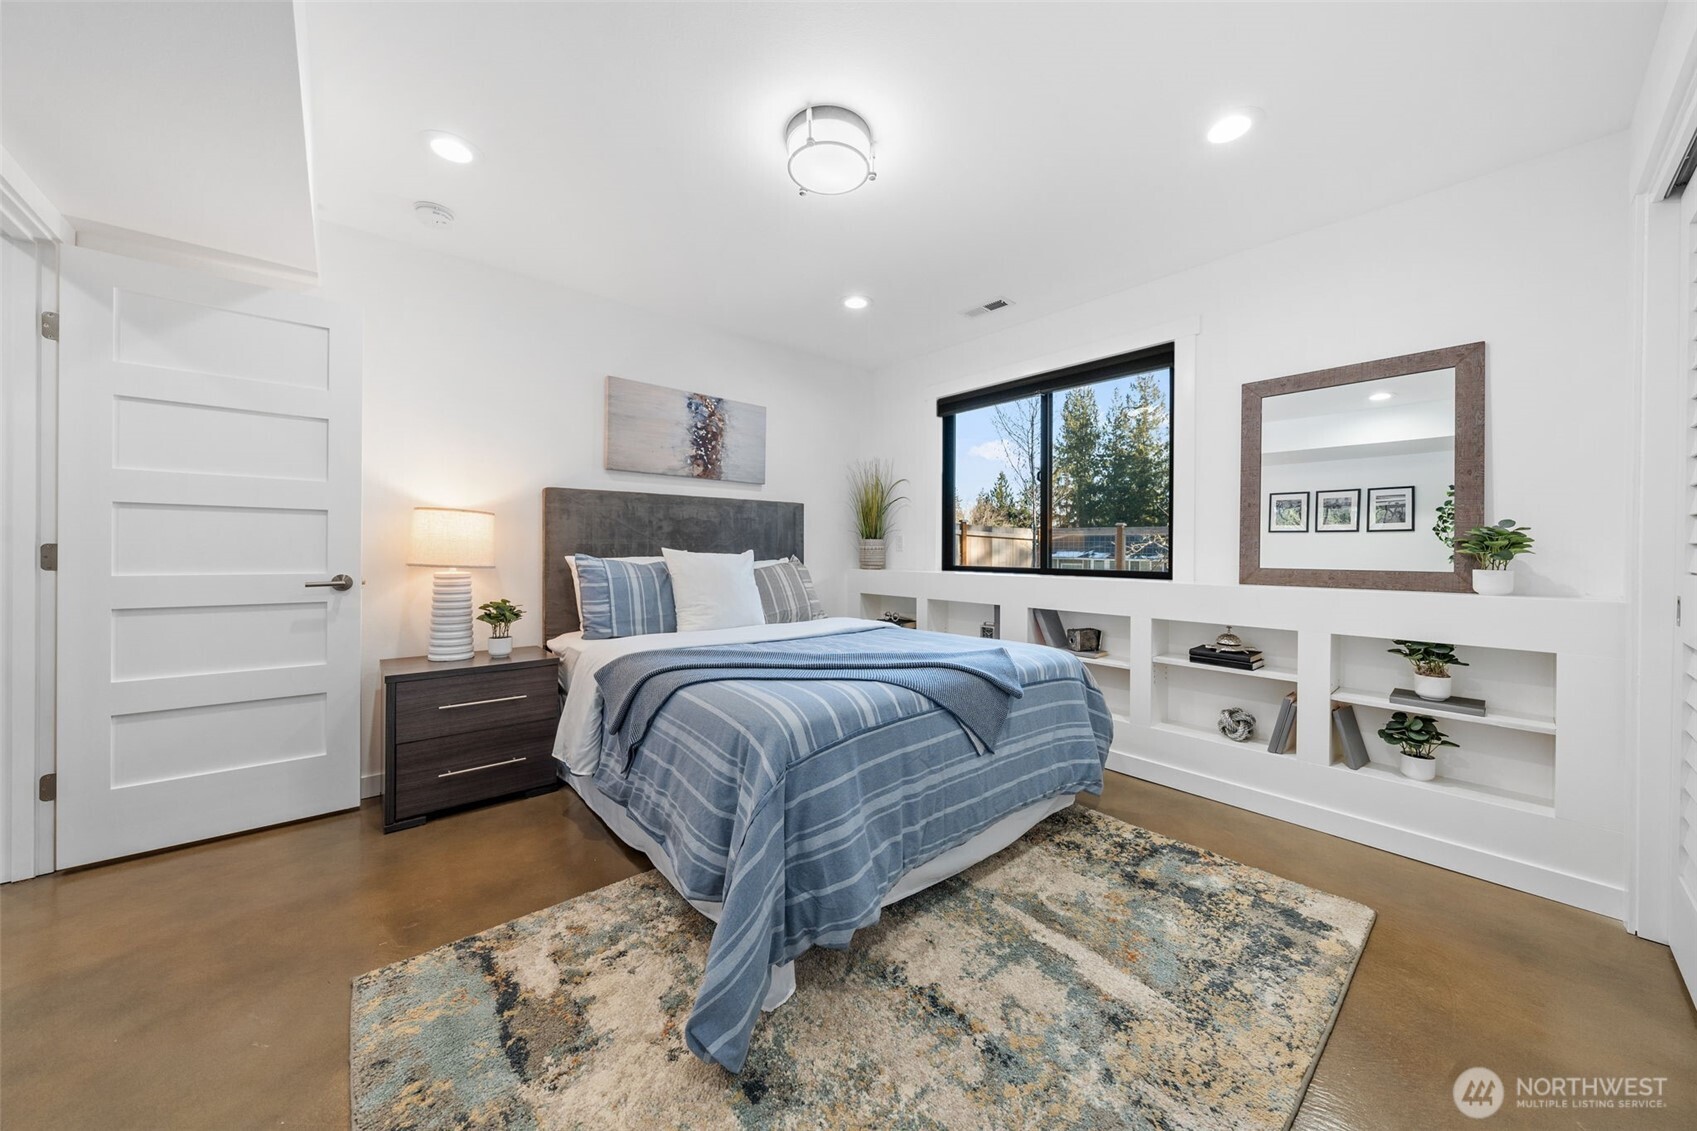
x=1093 y=975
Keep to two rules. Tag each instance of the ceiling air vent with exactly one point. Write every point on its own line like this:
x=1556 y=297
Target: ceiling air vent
x=990 y=307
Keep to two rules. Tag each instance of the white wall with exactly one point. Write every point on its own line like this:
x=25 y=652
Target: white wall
x=483 y=387
x=1533 y=260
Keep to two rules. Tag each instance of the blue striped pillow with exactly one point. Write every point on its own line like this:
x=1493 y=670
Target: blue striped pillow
x=617 y=598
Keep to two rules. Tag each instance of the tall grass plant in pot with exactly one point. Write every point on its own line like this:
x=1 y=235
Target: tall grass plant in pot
x=873 y=499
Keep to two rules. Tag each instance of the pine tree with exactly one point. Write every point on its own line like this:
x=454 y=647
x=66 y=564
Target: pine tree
x=1078 y=493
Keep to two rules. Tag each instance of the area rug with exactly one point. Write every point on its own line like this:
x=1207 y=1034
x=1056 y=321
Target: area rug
x=1092 y=975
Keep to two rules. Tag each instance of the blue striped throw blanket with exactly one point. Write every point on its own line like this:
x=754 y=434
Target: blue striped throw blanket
x=794 y=782
x=975 y=686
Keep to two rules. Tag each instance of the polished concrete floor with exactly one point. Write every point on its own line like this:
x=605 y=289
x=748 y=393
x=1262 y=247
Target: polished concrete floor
x=208 y=987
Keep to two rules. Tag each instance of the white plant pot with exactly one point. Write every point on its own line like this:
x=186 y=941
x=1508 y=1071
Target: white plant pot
x=1420 y=769
x=1493 y=582
x=500 y=647
x=871 y=553
x=1433 y=687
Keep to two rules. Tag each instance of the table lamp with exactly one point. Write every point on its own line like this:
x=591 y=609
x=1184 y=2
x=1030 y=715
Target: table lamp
x=454 y=541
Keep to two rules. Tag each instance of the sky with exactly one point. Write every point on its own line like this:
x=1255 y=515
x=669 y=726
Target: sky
x=979 y=454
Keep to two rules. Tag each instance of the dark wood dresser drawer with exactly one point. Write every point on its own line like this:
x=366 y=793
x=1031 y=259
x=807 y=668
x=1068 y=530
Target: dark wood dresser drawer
x=439 y=773
x=459 y=732
x=434 y=708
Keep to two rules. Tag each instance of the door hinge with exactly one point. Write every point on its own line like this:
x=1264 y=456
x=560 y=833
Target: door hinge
x=1678 y=612
x=48 y=788
x=50 y=556
x=50 y=325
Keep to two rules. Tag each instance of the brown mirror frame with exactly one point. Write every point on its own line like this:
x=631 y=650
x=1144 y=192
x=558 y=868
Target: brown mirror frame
x=1468 y=361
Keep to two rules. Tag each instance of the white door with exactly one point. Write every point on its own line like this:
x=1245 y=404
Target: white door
x=1683 y=918
x=208 y=484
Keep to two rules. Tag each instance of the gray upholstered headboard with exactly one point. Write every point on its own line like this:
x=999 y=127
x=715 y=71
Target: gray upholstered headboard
x=627 y=524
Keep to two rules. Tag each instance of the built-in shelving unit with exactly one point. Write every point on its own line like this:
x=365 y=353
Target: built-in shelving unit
x=1533 y=798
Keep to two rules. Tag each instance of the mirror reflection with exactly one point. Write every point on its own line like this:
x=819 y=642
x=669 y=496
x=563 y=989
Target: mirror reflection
x=1353 y=477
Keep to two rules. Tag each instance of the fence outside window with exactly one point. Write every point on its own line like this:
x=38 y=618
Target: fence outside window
x=1122 y=548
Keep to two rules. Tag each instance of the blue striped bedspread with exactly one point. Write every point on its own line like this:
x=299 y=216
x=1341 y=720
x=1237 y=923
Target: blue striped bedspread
x=797 y=804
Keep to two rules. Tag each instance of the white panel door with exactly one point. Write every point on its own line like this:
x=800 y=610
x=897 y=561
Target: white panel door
x=208 y=487
x=1683 y=917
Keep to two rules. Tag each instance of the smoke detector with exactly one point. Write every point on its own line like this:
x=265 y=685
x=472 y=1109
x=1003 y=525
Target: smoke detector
x=990 y=307
x=433 y=215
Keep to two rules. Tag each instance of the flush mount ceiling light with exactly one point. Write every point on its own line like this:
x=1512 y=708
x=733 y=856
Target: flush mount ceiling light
x=857 y=302
x=451 y=147
x=1231 y=126
x=1381 y=396
x=830 y=150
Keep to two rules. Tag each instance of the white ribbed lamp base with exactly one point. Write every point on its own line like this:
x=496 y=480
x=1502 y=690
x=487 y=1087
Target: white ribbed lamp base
x=450 y=616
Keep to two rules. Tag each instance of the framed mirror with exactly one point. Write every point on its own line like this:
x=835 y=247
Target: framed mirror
x=1346 y=472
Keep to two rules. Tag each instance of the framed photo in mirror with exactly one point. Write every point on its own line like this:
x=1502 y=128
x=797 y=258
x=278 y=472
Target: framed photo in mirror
x=1338 y=511
x=1287 y=512
x=1390 y=508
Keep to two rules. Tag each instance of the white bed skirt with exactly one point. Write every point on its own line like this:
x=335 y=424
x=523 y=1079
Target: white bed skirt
x=956 y=860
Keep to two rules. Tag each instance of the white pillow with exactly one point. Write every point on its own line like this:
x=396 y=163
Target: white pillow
x=714 y=590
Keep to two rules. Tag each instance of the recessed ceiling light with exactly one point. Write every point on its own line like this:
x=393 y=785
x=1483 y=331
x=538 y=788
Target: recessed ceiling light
x=1230 y=127
x=857 y=302
x=451 y=147
x=1381 y=396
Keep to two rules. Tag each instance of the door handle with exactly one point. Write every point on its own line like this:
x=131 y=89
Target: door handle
x=341 y=583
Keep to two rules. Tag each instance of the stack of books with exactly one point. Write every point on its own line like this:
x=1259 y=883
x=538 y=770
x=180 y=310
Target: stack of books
x=1212 y=655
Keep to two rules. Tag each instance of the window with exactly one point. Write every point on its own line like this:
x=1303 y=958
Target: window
x=1063 y=472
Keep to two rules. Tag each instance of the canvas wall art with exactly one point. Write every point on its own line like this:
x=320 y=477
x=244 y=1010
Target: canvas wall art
x=662 y=431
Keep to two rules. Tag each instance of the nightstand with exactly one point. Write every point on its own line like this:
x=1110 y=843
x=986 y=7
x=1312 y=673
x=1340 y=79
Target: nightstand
x=464 y=731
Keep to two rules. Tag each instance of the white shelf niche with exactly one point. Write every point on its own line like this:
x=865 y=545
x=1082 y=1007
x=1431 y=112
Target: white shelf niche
x=873 y=606
x=1491 y=761
x=1187 y=699
x=961 y=618
x=1172 y=641
x=1519 y=687
x=1115 y=630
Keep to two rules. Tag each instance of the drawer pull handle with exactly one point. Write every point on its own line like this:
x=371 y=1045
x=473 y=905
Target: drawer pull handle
x=480 y=702
x=490 y=766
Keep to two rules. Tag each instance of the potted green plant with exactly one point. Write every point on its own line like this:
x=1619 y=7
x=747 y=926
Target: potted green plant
x=1431 y=664
x=1418 y=736
x=872 y=496
x=500 y=616
x=1493 y=548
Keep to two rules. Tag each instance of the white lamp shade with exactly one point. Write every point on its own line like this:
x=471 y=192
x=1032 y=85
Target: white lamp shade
x=830 y=150
x=452 y=538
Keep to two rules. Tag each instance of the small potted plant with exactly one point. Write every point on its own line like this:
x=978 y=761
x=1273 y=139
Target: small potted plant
x=1432 y=664
x=1418 y=736
x=500 y=617
x=872 y=495
x=1493 y=548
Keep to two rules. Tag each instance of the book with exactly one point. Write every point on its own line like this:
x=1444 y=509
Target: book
x=1216 y=650
x=1208 y=654
x=1455 y=704
x=1284 y=729
x=1349 y=734
x=1050 y=628
x=1218 y=662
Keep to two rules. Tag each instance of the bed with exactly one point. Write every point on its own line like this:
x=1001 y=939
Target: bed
x=789 y=780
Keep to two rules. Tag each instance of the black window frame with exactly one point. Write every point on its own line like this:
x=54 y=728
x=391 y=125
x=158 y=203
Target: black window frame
x=1046 y=385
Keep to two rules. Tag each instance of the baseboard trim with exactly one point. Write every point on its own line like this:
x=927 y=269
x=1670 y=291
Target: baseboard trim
x=1522 y=875
x=371 y=785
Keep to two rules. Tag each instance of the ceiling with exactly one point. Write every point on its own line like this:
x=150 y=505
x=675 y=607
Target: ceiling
x=183 y=121
x=1049 y=153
